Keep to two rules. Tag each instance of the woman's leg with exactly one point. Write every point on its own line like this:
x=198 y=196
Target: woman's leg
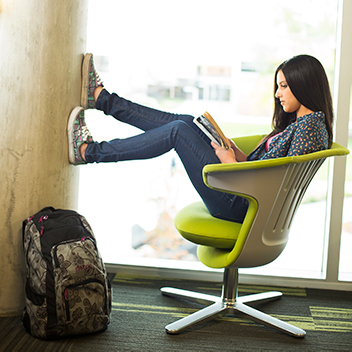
x=193 y=151
x=140 y=116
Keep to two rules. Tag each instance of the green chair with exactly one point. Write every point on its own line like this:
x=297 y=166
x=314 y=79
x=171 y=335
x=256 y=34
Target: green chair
x=274 y=189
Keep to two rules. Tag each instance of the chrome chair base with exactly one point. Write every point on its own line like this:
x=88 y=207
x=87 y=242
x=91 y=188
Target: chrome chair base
x=229 y=303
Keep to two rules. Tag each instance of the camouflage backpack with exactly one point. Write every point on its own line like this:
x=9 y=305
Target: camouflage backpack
x=67 y=289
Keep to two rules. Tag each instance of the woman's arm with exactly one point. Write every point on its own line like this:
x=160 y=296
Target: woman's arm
x=239 y=155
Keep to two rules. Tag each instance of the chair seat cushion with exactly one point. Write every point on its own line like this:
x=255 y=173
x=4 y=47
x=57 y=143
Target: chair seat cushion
x=195 y=224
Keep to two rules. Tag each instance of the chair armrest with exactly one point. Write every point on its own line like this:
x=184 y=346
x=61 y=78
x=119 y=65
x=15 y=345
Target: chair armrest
x=246 y=179
x=246 y=165
x=219 y=170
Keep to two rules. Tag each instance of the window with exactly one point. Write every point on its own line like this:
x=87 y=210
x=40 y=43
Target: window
x=190 y=57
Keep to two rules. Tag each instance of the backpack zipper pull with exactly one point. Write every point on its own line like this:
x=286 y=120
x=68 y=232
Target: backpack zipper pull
x=42 y=218
x=30 y=218
x=66 y=294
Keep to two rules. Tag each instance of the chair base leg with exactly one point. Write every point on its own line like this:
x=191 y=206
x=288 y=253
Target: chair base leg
x=232 y=305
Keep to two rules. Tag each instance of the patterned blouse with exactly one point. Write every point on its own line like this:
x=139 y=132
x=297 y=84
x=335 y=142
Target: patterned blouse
x=306 y=135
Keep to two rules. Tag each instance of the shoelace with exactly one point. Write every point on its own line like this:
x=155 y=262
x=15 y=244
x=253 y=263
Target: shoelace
x=85 y=134
x=98 y=80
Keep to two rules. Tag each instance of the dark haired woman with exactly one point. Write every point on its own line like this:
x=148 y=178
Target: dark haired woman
x=302 y=124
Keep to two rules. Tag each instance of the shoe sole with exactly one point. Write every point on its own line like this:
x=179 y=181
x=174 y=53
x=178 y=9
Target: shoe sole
x=71 y=122
x=85 y=80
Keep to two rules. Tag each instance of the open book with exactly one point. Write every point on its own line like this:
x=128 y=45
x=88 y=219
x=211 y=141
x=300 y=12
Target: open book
x=208 y=125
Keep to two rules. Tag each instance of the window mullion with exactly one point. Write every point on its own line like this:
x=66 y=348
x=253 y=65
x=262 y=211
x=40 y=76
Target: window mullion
x=342 y=87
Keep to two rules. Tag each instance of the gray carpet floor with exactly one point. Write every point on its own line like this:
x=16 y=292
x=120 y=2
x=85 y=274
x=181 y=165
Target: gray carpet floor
x=140 y=313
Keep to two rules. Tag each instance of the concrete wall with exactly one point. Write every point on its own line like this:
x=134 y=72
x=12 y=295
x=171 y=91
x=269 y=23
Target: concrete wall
x=41 y=47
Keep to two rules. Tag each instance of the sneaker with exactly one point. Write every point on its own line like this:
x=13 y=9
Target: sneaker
x=78 y=134
x=90 y=81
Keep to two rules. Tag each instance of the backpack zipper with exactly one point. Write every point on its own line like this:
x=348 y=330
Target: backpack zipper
x=67 y=304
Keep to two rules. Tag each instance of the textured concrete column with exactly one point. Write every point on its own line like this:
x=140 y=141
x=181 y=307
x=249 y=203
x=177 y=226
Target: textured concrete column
x=41 y=47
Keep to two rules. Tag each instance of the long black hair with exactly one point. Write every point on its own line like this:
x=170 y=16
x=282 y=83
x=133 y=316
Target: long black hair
x=308 y=82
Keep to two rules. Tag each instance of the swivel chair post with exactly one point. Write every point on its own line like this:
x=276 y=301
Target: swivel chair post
x=230 y=286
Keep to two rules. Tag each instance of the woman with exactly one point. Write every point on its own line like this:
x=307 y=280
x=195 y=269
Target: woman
x=302 y=124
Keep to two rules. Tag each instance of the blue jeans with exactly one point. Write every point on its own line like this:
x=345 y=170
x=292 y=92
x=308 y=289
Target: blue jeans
x=163 y=132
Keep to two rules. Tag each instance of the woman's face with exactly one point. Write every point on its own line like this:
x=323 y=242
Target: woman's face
x=288 y=101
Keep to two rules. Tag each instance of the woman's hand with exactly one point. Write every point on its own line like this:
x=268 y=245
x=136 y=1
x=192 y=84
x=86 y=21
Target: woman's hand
x=239 y=155
x=225 y=156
